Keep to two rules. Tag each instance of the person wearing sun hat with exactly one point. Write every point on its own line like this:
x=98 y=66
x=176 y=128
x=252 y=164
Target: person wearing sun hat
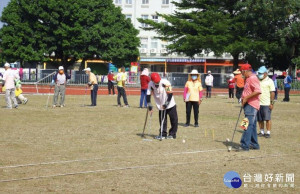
x=266 y=101
x=93 y=85
x=287 y=86
x=209 y=82
x=192 y=96
x=9 y=78
x=251 y=104
x=240 y=82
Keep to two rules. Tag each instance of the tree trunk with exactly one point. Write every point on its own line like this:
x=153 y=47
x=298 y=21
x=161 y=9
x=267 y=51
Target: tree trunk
x=235 y=61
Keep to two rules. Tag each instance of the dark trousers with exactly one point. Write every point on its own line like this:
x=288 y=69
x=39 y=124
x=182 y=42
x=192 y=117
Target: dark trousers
x=239 y=92
x=110 y=86
x=172 y=112
x=286 y=94
x=94 y=92
x=122 y=92
x=231 y=91
x=208 y=91
x=189 y=105
x=276 y=93
x=143 y=98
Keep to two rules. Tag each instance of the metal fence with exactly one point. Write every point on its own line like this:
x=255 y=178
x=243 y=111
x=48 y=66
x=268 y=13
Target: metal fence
x=176 y=79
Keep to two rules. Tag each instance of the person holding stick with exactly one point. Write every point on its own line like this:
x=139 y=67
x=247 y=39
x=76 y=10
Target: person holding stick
x=164 y=99
x=93 y=85
x=251 y=105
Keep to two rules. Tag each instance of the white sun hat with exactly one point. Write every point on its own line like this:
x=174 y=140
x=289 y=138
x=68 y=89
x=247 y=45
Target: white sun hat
x=87 y=69
x=194 y=72
x=60 y=68
x=6 y=65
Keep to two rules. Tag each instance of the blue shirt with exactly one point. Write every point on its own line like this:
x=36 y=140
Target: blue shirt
x=287 y=81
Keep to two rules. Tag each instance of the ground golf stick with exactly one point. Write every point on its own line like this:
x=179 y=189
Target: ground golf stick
x=236 y=125
x=143 y=134
x=163 y=114
x=47 y=103
x=84 y=100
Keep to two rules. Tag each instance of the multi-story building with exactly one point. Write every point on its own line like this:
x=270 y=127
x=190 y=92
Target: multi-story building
x=153 y=52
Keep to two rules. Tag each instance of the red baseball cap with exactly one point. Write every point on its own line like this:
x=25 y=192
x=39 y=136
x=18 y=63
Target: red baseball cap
x=246 y=67
x=284 y=73
x=155 y=77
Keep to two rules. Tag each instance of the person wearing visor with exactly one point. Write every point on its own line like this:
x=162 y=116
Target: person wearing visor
x=266 y=101
x=164 y=99
x=192 y=96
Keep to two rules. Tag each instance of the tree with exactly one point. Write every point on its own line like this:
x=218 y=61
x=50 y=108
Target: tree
x=67 y=30
x=277 y=24
x=205 y=25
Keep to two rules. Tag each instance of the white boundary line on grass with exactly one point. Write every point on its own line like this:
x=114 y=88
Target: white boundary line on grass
x=136 y=167
x=93 y=159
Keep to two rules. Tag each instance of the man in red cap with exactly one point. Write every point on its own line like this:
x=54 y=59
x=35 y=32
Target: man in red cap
x=163 y=96
x=251 y=104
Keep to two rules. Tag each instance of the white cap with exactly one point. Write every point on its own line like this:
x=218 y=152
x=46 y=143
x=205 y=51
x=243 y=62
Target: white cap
x=87 y=69
x=209 y=72
x=194 y=71
x=6 y=65
x=60 y=68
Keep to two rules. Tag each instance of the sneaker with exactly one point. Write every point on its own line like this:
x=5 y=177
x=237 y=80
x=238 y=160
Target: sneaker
x=186 y=125
x=260 y=135
x=267 y=135
x=126 y=106
x=240 y=149
x=53 y=106
x=25 y=101
x=119 y=105
x=158 y=137
x=253 y=148
x=16 y=106
x=171 y=137
x=196 y=125
x=61 y=106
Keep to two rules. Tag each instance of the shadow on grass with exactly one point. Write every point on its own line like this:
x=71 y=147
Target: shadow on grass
x=146 y=135
x=233 y=144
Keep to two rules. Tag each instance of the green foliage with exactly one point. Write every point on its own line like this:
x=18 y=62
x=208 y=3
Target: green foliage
x=72 y=29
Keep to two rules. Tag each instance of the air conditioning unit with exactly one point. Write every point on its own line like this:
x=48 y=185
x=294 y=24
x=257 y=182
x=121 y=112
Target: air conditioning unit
x=163 y=51
x=143 y=50
x=153 y=51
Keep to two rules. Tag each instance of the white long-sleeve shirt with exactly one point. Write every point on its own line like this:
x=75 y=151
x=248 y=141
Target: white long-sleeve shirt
x=209 y=80
x=9 y=78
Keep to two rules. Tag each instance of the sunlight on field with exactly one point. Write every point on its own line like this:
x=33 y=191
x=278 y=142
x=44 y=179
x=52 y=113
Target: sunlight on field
x=79 y=149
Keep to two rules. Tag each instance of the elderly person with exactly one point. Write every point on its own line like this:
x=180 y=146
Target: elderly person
x=209 y=82
x=287 y=86
x=145 y=79
x=93 y=85
x=9 y=78
x=60 y=82
x=231 y=84
x=251 y=105
x=266 y=101
x=192 y=96
x=121 y=78
x=240 y=83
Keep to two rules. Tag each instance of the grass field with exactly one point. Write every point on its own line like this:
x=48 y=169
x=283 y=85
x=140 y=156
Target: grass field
x=79 y=149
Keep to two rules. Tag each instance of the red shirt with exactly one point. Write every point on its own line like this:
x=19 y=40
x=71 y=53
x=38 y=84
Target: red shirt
x=144 y=81
x=231 y=83
x=110 y=77
x=252 y=85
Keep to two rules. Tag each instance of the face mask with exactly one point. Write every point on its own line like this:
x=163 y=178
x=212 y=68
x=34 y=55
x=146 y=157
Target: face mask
x=260 y=76
x=194 y=77
x=156 y=85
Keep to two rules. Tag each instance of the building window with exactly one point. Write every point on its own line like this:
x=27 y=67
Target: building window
x=144 y=43
x=118 y=2
x=129 y=2
x=155 y=18
x=144 y=17
x=154 y=43
x=145 y=2
x=165 y=2
x=128 y=16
